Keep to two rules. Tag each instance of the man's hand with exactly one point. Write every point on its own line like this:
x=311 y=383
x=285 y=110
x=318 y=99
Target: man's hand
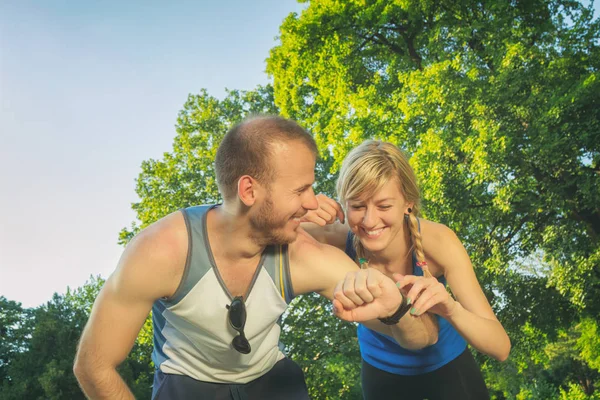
x=327 y=212
x=365 y=295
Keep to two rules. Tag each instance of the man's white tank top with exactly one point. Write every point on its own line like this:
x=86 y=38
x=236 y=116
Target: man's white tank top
x=192 y=335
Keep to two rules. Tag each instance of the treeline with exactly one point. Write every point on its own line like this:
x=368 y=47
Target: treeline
x=38 y=348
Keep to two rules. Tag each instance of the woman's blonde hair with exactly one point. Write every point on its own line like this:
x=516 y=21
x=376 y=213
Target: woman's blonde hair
x=366 y=169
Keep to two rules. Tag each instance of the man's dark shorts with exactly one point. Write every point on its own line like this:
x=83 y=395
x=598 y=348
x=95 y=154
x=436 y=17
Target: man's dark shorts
x=284 y=381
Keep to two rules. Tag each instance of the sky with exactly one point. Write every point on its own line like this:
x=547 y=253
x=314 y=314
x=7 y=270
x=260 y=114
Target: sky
x=89 y=90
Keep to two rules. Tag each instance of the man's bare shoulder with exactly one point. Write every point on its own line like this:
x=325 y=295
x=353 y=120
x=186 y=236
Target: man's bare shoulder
x=156 y=256
x=304 y=246
x=167 y=235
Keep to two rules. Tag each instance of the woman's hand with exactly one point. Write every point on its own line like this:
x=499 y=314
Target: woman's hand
x=327 y=212
x=426 y=294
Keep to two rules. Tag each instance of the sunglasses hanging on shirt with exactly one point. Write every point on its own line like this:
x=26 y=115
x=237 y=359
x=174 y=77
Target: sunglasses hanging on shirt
x=237 y=320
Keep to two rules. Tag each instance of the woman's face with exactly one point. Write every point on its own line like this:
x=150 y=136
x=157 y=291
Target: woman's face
x=378 y=220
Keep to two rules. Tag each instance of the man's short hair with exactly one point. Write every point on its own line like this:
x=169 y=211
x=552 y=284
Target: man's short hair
x=246 y=150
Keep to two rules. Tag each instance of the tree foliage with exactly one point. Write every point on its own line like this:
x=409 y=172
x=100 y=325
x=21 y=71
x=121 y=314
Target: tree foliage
x=510 y=161
x=38 y=348
x=498 y=103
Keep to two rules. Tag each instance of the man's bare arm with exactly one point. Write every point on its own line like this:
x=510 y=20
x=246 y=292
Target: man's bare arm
x=317 y=267
x=150 y=268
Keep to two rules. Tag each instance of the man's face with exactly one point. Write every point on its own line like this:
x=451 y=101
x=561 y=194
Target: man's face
x=288 y=197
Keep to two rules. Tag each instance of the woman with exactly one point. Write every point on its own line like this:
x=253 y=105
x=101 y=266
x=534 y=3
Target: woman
x=378 y=189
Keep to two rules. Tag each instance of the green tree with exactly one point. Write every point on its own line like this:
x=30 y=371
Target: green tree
x=13 y=322
x=38 y=348
x=498 y=103
x=42 y=368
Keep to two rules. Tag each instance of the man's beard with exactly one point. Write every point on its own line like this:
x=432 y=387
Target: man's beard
x=269 y=229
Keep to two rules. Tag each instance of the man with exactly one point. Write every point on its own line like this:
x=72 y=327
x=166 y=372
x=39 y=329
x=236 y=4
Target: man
x=219 y=277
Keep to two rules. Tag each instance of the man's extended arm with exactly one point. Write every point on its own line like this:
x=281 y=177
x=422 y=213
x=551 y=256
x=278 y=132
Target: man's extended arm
x=317 y=267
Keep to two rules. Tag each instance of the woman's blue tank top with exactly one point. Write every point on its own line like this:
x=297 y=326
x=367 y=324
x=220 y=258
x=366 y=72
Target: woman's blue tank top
x=383 y=352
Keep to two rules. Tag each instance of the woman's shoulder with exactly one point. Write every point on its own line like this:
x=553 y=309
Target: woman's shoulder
x=441 y=246
x=438 y=238
x=435 y=231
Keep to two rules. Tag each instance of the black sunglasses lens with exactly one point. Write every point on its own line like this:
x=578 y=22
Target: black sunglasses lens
x=237 y=320
x=241 y=344
x=237 y=314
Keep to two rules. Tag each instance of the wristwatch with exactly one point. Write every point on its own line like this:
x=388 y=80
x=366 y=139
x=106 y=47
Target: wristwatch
x=395 y=317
